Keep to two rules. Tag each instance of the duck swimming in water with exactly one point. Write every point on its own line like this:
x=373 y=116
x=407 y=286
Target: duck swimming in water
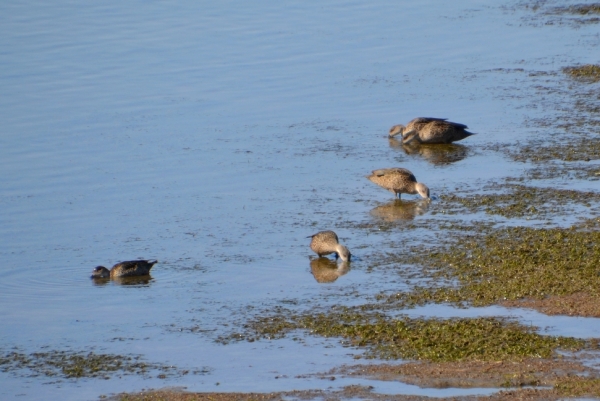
x=125 y=269
x=430 y=130
x=399 y=181
x=326 y=242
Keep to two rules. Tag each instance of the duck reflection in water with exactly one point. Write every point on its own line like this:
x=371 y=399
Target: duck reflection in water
x=400 y=210
x=140 y=281
x=326 y=270
x=438 y=154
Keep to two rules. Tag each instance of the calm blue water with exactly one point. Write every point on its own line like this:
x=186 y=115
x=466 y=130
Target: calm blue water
x=216 y=136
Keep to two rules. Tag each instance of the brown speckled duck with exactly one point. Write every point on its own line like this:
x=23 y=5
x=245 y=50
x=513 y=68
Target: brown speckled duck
x=430 y=130
x=399 y=181
x=326 y=242
x=129 y=268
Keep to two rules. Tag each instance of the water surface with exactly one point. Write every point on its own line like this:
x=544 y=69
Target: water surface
x=215 y=137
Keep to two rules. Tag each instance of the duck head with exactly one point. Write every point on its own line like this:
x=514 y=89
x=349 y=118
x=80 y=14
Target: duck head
x=343 y=253
x=422 y=190
x=396 y=129
x=100 y=272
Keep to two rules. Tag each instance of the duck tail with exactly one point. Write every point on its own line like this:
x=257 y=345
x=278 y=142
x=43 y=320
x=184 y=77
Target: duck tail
x=152 y=262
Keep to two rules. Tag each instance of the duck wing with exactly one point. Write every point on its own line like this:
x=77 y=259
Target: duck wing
x=405 y=173
x=131 y=264
x=395 y=171
x=426 y=120
x=456 y=125
x=128 y=264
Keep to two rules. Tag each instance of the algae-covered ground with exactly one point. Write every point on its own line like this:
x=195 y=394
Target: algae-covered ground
x=511 y=264
x=436 y=340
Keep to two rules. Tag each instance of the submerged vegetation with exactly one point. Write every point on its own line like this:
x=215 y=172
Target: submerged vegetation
x=587 y=72
x=578 y=14
x=585 y=9
x=69 y=365
x=519 y=201
x=574 y=149
x=484 y=339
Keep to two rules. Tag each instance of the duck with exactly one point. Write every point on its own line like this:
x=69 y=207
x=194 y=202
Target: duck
x=128 y=268
x=399 y=181
x=327 y=242
x=430 y=130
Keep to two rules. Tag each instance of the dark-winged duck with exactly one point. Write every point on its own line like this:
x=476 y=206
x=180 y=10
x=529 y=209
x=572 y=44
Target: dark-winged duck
x=430 y=130
x=399 y=181
x=129 y=268
x=326 y=242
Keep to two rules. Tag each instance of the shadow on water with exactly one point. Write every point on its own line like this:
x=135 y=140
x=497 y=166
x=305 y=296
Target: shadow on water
x=326 y=270
x=138 y=281
x=400 y=210
x=438 y=154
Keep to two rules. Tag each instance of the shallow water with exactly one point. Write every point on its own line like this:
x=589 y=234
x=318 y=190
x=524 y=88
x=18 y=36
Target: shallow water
x=215 y=138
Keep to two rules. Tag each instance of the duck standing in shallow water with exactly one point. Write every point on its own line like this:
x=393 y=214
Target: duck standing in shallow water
x=129 y=268
x=399 y=181
x=326 y=242
x=430 y=130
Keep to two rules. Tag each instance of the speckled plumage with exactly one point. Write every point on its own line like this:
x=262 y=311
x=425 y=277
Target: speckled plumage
x=399 y=181
x=125 y=269
x=326 y=242
x=430 y=130
x=413 y=125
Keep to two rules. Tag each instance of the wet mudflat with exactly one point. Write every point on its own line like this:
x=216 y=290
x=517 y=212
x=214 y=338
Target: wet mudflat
x=215 y=139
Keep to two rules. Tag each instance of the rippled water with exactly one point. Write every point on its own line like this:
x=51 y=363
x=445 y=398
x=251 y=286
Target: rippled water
x=215 y=137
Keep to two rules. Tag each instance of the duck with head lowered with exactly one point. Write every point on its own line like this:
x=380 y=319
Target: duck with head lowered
x=130 y=268
x=326 y=242
x=430 y=130
x=399 y=181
